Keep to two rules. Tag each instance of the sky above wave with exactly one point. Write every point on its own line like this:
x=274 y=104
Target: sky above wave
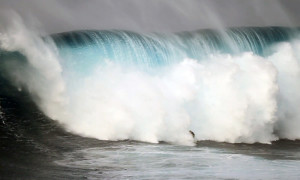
x=153 y=15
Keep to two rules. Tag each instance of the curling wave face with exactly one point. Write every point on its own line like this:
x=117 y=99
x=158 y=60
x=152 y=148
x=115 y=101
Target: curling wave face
x=237 y=85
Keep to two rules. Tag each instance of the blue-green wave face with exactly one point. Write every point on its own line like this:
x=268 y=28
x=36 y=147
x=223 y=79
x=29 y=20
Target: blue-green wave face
x=234 y=85
x=83 y=50
x=84 y=47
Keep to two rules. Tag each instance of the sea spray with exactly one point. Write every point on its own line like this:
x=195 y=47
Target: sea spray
x=115 y=85
x=40 y=73
x=223 y=98
x=287 y=61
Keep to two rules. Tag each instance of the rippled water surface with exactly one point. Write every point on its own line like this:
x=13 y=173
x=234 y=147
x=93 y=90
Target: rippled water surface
x=208 y=160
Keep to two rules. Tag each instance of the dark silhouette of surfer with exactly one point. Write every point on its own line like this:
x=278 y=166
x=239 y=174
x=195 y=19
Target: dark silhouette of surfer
x=192 y=133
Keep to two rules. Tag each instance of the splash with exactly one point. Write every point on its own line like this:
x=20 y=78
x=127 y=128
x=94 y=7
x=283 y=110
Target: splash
x=116 y=85
x=40 y=73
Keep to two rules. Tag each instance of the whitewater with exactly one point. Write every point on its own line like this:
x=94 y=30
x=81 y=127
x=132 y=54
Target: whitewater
x=239 y=85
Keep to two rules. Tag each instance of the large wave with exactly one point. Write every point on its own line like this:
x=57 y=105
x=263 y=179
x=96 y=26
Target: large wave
x=235 y=85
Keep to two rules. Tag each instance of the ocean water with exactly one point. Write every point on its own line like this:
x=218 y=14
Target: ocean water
x=119 y=105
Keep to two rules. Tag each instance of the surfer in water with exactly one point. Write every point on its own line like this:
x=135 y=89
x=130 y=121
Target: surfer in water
x=192 y=133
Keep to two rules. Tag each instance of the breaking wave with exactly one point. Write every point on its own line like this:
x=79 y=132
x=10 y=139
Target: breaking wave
x=235 y=85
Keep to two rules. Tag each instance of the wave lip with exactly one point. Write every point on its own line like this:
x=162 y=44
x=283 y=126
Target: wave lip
x=157 y=49
x=240 y=85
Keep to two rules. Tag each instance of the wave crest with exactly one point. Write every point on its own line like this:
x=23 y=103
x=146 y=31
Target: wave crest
x=115 y=85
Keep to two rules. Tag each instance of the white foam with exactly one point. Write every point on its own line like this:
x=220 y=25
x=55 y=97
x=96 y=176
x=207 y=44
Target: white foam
x=223 y=98
x=41 y=75
x=241 y=98
x=286 y=59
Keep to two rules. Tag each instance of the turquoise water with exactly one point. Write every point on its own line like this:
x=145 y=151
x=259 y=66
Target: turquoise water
x=120 y=105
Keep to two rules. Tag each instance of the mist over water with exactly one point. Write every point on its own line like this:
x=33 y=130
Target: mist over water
x=158 y=89
x=97 y=103
x=41 y=74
